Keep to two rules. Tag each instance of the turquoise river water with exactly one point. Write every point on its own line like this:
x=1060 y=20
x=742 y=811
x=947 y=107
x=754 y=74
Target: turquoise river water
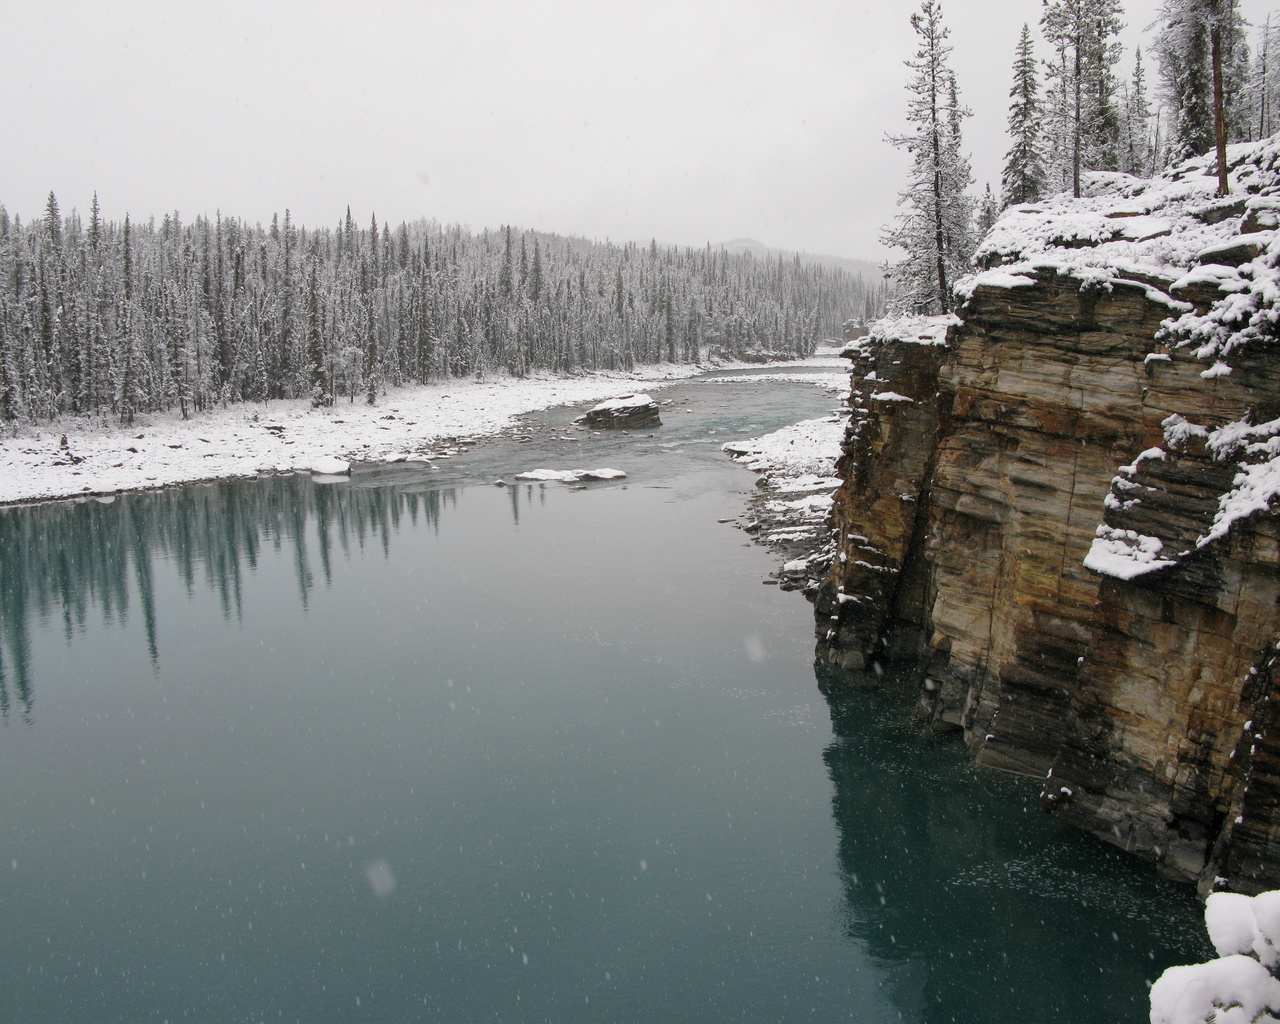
x=418 y=748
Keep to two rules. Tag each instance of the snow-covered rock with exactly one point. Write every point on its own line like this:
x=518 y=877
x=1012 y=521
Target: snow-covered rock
x=623 y=413
x=789 y=513
x=328 y=465
x=569 y=476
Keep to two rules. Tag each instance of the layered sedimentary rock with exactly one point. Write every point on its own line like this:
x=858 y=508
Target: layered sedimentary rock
x=1058 y=506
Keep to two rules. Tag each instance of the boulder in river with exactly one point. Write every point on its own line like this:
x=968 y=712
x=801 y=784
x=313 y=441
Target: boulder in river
x=622 y=413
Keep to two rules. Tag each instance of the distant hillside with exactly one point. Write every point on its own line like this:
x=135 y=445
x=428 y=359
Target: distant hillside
x=867 y=270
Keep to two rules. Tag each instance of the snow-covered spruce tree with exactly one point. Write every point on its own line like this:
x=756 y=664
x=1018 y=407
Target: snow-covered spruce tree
x=1023 y=180
x=1240 y=986
x=1202 y=53
x=935 y=226
x=988 y=213
x=1136 y=152
x=1264 y=82
x=1083 y=36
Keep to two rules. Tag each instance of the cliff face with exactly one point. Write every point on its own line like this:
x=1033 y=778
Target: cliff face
x=1057 y=505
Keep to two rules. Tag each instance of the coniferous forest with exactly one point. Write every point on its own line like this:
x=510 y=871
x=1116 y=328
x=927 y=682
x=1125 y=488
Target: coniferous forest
x=109 y=319
x=1073 y=111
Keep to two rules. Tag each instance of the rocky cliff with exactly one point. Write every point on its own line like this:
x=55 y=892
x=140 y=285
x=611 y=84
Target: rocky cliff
x=1058 y=505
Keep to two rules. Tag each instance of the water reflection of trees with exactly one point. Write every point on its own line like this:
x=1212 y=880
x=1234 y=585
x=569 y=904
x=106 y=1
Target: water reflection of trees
x=65 y=559
x=975 y=905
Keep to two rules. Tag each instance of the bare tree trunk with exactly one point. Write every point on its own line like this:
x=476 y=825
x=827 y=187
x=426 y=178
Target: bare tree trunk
x=939 y=237
x=1079 y=113
x=1219 y=116
x=1262 y=88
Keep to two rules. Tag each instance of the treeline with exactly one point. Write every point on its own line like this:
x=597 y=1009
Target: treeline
x=1094 y=115
x=1071 y=113
x=112 y=319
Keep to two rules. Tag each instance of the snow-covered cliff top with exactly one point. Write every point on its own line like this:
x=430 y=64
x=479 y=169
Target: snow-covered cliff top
x=913 y=330
x=1213 y=262
x=1160 y=227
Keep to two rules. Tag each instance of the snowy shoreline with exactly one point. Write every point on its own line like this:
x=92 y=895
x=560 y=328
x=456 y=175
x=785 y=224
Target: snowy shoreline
x=798 y=480
x=100 y=458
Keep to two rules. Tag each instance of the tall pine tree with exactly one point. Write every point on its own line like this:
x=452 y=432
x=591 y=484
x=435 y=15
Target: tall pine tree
x=935 y=226
x=1136 y=156
x=1083 y=35
x=1264 y=83
x=1023 y=180
x=988 y=212
x=1201 y=47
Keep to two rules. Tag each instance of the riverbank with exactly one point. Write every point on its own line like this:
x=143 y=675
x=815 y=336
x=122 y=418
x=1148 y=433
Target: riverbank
x=78 y=457
x=788 y=514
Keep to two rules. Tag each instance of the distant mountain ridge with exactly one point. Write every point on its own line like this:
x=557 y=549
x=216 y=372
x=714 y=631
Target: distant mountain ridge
x=866 y=269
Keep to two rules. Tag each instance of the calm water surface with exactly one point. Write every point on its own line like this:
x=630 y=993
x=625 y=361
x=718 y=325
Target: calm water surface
x=416 y=749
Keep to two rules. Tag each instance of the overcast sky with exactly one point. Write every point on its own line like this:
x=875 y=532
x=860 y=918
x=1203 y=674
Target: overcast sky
x=685 y=120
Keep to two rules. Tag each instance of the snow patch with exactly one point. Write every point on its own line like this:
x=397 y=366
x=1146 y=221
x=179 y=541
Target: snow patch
x=1252 y=491
x=1150 y=453
x=328 y=465
x=1178 y=430
x=569 y=476
x=809 y=503
x=811 y=446
x=838 y=382
x=1124 y=554
x=914 y=330
x=1257 y=450
x=239 y=441
x=998 y=278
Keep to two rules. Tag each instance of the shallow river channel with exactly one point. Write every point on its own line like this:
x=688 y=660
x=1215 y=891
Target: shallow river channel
x=414 y=747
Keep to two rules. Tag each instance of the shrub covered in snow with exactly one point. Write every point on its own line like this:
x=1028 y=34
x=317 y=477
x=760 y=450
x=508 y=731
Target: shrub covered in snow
x=1240 y=986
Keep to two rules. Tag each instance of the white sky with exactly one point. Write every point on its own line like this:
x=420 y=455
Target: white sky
x=684 y=120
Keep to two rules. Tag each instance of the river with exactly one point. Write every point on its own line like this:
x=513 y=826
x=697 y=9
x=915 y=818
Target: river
x=414 y=747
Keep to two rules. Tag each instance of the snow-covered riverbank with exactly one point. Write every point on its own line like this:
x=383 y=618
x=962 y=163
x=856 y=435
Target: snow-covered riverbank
x=429 y=422
x=789 y=513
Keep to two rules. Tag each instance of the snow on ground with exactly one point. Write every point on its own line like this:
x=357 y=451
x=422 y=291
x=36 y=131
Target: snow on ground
x=244 y=440
x=1122 y=224
x=426 y=422
x=281 y=436
x=1172 y=229
x=798 y=464
x=807 y=447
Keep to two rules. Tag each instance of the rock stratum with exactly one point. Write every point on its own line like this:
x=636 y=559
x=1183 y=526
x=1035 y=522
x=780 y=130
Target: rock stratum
x=1058 y=505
